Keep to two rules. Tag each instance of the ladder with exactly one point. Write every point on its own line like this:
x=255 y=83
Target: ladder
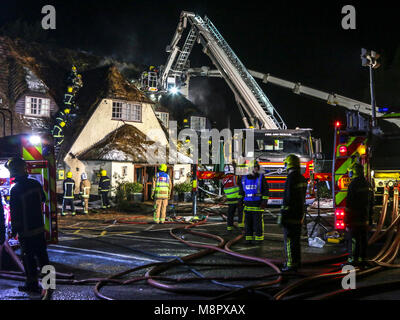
x=246 y=76
x=185 y=52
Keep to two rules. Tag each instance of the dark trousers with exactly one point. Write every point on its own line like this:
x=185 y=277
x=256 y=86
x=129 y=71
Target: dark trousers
x=291 y=234
x=253 y=225
x=33 y=248
x=357 y=243
x=104 y=198
x=232 y=208
x=68 y=202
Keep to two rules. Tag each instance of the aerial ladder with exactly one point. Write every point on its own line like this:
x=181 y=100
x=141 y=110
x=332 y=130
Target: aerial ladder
x=300 y=89
x=255 y=108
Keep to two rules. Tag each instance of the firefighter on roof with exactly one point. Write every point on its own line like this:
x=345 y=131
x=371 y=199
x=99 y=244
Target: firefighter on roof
x=161 y=192
x=254 y=189
x=85 y=192
x=292 y=212
x=231 y=188
x=104 y=189
x=357 y=215
x=58 y=134
x=26 y=204
x=68 y=191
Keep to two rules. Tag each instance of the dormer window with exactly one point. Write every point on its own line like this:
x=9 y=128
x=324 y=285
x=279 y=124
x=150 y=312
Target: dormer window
x=37 y=107
x=126 y=111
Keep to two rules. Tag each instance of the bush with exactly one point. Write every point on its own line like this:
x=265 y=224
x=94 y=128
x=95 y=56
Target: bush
x=125 y=190
x=183 y=187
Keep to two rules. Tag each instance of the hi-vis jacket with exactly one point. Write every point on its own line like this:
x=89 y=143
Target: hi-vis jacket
x=254 y=189
x=161 y=185
x=231 y=189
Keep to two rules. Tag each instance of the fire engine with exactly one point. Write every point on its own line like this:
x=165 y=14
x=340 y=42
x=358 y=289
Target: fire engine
x=377 y=153
x=38 y=152
x=273 y=141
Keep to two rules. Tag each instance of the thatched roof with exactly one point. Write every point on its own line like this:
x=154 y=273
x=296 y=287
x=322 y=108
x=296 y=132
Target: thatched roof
x=127 y=143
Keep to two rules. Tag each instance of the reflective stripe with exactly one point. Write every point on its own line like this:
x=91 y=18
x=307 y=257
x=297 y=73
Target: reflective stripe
x=253 y=209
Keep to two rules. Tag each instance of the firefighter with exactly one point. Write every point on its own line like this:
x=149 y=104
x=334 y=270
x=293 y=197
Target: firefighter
x=161 y=192
x=58 y=134
x=254 y=189
x=68 y=194
x=357 y=215
x=104 y=189
x=26 y=204
x=292 y=212
x=85 y=192
x=231 y=190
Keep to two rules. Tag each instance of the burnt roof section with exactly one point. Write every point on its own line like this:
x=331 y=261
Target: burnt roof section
x=126 y=143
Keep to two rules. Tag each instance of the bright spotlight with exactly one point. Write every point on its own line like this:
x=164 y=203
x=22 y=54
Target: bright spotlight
x=34 y=140
x=174 y=90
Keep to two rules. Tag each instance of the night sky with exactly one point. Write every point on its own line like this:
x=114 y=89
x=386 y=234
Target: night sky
x=297 y=41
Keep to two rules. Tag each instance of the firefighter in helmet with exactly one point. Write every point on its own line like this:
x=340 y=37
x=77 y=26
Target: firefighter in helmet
x=292 y=212
x=357 y=215
x=254 y=189
x=85 y=192
x=58 y=134
x=104 y=189
x=161 y=192
x=68 y=191
x=26 y=205
x=230 y=185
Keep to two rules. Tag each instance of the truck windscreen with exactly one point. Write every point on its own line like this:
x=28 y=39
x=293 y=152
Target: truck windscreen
x=282 y=145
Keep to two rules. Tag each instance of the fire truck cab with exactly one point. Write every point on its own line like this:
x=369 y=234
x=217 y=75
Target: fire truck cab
x=38 y=152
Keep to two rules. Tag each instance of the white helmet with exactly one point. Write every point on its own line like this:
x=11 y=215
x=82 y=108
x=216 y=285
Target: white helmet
x=84 y=176
x=228 y=169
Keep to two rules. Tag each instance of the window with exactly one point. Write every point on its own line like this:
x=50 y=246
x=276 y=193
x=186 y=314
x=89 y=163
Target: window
x=38 y=107
x=126 y=111
x=164 y=118
x=197 y=123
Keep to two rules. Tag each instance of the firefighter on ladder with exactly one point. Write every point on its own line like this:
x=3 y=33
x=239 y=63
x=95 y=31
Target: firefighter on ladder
x=254 y=189
x=292 y=212
x=104 y=189
x=161 y=192
x=68 y=191
x=357 y=215
x=85 y=192
x=231 y=189
x=26 y=205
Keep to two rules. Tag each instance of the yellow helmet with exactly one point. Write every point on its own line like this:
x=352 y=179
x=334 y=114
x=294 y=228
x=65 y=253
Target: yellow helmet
x=291 y=161
x=70 y=89
x=69 y=174
x=163 y=167
x=67 y=111
x=62 y=124
x=73 y=68
x=103 y=173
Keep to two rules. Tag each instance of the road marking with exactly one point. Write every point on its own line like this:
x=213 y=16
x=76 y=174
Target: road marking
x=86 y=251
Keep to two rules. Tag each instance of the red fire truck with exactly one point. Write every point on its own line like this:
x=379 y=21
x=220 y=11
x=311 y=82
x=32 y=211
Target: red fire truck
x=38 y=152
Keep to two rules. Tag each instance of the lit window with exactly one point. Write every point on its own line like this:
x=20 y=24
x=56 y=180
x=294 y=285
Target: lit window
x=38 y=107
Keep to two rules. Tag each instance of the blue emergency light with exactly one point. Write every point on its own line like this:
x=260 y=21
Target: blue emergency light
x=383 y=109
